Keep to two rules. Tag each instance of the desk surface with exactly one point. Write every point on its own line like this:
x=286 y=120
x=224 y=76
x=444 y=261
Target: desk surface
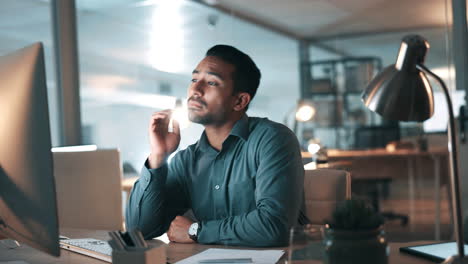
x=336 y=153
x=175 y=252
x=380 y=152
x=380 y=163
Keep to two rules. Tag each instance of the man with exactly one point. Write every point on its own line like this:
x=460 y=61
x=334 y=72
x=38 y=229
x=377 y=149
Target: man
x=243 y=179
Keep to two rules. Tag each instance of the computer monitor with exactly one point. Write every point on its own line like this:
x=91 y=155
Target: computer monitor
x=28 y=210
x=368 y=137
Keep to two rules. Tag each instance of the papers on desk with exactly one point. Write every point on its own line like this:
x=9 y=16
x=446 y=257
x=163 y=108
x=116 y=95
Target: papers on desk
x=257 y=256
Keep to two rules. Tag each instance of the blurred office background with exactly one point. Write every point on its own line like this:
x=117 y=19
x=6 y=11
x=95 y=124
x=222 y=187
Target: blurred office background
x=136 y=57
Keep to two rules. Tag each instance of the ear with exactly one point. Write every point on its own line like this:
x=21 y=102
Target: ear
x=242 y=101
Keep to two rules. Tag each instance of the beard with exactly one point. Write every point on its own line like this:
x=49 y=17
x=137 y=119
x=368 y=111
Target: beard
x=201 y=119
x=196 y=115
x=214 y=115
x=207 y=118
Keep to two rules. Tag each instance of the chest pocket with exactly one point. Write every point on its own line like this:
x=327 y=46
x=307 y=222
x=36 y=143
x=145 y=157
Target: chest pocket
x=241 y=197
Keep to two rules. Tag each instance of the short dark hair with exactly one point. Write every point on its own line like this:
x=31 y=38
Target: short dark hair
x=246 y=74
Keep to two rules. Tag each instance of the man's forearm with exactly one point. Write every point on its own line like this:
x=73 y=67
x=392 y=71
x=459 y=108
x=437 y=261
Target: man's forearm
x=156 y=161
x=258 y=228
x=146 y=207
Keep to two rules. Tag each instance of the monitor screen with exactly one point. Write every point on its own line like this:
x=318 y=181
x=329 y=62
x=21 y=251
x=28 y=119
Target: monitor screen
x=28 y=210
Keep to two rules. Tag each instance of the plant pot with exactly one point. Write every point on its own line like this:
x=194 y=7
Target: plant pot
x=355 y=246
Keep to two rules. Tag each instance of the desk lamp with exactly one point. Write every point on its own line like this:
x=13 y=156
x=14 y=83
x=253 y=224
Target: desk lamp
x=402 y=92
x=304 y=112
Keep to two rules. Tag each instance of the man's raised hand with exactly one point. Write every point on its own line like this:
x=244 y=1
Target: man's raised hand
x=162 y=142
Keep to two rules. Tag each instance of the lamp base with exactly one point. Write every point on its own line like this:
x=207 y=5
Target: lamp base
x=456 y=260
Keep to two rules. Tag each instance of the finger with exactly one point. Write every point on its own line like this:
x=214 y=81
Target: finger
x=165 y=122
x=157 y=120
x=175 y=127
x=160 y=115
x=165 y=111
x=160 y=120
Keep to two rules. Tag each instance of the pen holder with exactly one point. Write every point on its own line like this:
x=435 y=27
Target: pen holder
x=153 y=255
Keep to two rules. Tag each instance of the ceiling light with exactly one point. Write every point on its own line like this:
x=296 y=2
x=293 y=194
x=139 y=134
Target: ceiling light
x=167 y=37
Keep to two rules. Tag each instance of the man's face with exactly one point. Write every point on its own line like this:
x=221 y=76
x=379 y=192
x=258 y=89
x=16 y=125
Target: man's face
x=210 y=94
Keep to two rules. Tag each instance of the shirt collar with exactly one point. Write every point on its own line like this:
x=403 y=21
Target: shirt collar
x=240 y=129
x=203 y=144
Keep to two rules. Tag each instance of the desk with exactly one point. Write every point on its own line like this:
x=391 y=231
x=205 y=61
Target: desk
x=175 y=252
x=403 y=164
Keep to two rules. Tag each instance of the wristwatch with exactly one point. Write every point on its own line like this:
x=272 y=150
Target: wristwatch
x=193 y=231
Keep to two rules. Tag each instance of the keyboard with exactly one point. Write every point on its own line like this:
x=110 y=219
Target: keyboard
x=90 y=247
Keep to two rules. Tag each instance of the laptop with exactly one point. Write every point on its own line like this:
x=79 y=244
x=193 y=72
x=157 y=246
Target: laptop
x=436 y=252
x=89 y=196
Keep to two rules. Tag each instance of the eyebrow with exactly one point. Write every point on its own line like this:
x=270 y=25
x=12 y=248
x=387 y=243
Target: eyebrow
x=211 y=73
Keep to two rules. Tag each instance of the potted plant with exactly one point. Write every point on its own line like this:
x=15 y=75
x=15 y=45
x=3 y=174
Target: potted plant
x=355 y=235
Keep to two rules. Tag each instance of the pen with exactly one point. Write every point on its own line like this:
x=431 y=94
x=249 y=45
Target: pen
x=119 y=243
x=137 y=238
x=227 y=260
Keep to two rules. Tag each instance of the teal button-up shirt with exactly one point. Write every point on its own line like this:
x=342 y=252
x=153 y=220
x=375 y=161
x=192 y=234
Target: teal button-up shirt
x=249 y=193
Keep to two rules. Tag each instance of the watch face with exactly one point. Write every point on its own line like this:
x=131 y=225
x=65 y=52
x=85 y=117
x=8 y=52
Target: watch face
x=193 y=229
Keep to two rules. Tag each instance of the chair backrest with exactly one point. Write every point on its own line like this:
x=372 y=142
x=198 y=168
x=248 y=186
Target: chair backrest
x=324 y=189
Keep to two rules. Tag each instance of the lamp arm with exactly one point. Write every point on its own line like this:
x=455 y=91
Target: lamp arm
x=455 y=179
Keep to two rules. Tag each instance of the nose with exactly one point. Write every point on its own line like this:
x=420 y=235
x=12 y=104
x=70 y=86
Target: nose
x=196 y=88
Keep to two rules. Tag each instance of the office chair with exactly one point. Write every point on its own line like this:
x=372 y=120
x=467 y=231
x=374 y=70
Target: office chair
x=323 y=190
x=369 y=137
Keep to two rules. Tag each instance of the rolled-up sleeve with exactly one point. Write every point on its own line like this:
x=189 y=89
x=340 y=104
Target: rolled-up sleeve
x=153 y=203
x=278 y=193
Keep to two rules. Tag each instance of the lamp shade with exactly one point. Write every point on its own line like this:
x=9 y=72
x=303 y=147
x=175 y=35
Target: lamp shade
x=401 y=91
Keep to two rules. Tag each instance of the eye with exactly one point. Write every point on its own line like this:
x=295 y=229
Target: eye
x=213 y=83
x=194 y=80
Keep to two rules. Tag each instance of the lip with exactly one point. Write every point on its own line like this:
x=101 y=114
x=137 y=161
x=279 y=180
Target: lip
x=194 y=105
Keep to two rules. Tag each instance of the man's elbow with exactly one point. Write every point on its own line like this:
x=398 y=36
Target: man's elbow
x=149 y=230
x=278 y=239
x=273 y=237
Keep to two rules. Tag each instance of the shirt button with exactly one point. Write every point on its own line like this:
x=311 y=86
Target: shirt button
x=217 y=187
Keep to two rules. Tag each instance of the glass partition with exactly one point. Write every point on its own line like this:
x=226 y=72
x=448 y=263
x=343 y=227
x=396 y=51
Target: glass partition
x=137 y=58
x=401 y=167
